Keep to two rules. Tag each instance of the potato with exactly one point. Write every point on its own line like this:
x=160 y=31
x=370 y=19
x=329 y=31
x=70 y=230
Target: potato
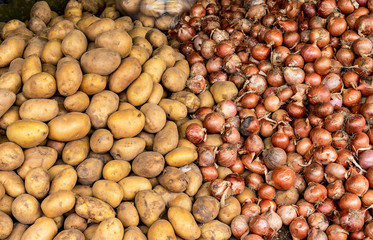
x=82 y=190
x=139 y=53
x=11 y=156
x=74 y=221
x=195 y=179
x=146 y=20
x=138 y=31
x=93 y=83
x=93 y=209
x=181 y=156
x=26 y=209
x=98 y=27
x=184 y=66
x=126 y=123
x=166 y=139
x=149 y=205
x=7 y=99
x=127 y=148
x=108 y=191
x=90 y=231
x=206 y=209
x=133 y=233
x=64 y=180
x=69 y=127
x=231 y=209
x=39 y=109
x=34 y=47
x=185 y=143
x=86 y=21
x=44 y=157
x=18 y=230
x=40 y=85
x=60 y=30
x=37 y=25
x=2 y=191
x=6 y=204
x=6 y=225
x=140 y=90
x=155 y=117
x=58 y=203
x=11 y=81
x=102 y=61
x=175 y=110
x=173 y=179
x=157 y=93
x=127 y=72
x=215 y=230
x=161 y=229
x=31 y=66
x=142 y=42
x=174 y=79
x=69 y=76
x=148 y=164
x=165 y=22
x=109 y=229
x=101 y=141
x=52 y=52
x=37 y=182
x=190 y=100
x=127 y=214
x=225 y=90
x=117 y=40
x=78 y=102
x=156 y=38
x=180 y=200
x=206 y=98
x=76 y=151
x=124 y=22
x=132 y=185
x=184 y=126
x=27 y=133
x=89 y=171
x=116 y=170
x=130 y=7
x=183 y=223
x=214 y=140
x=102 y=105
x=73 y=234
x=74 y=44
x=49 y=68
x=167 y=53
x=223 y=172
x=149 y=140
x=155 y=67
x=43 y=228
x=10 y=49
x=41 y=10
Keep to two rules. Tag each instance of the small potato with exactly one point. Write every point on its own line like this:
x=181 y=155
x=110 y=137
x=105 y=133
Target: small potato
x=26 y=209
x=72 y=234
x=11 y=156
x=156 y=38
x=230 y=210
x=215 y=230
x=184 y=66
x=195 y=179
x=223 y=90
x=167 y=53
x=181 y=156
x=2 y=191
x=7 y=99
x=149 y=140
x=173 y=179
x=116 y=170
x=174 y=79
x=133 y=233
x=102 y=105
x=98 y=27
x=82 y=190
x=140 y=90
x=43 y=228
x=42 y=156
x=6 y=224
x=11 y=81
x=93 y=209
x=126 y=123
x=74 y=44
x=183 y=223
x=49 y=68
x=40 y=85
x=140 y=54
x=76 y=151
x=165 y=22
x=69 y=76
x=6 y=204
x=60 y=30
x=69 y=127
x=58 y=203
x=37 y=182
x=127 y=214
x=190 y=100
x=89 y=171
x=124 y=22
x=132 y=185
x=149 y=205
x=35 y=46
x=78 y=102
x=17 y=232
x=31 y=66
x=161 y=229
x=39 y=109
x=175 y=110
x=102 y=61
x=130 y=7
x=27 y=133
x=166 y=139
x=10 y=49
x=223 y=172
x=206 y=98
x=101 y=141
x=127 y=148
x=41 y=10
x=155 y=66
x=148 y=164
x=64 y=180
x=155 y=117
x=117 y=40
x=180 y=200
x=127 y=72
x=52 y=52
x=74 y=221
x=142 y=42
x=93 y=83
x=157 y=93
x=108 y=191
x=206 y=209
x=109 y=229
x=37 y=25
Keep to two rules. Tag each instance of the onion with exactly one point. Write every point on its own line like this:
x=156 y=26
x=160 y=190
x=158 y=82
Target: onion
x=357 y=184
x=318 y=221
x=254 y=180
x=274 y=220
x=237 y=183
x=239 y=225
x=259 y=225
x=227 y=154
x=206 y=156
x=195 y=133
x=335 y=190
x=334 y=172
x=282 y=178
x=315 y=193
x=287 y=213
x=214 y=122
x=250 y=210
x=349 y=201
x=220 y=189
x=266 y=191
x=317 y=234
x=196 y=84
x=354 y=123
x=336 y=232
x=366 y=159
x=318 y=94
x=209 y=173
x=274 y=157
x=186 y=33
x=351 y=220
x=299 y=228
x=320 y=137
x=314 y=173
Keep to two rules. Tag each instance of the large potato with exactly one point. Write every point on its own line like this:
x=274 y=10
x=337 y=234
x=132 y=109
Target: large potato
x=102 y=105
x=174 y=79
x=166 y=139
x=127 y=214
x=127 y=148
x=52 y=52
x=89 y=171
x=223 y=90
x=37 y=182
x=85 y=21
x=35 y=46
x=116 y=170
x=117 y=40
x=174 y=109
x=150 y=206
x=156 y=38
x=60 y=30
x=140 y=90
x=206 y=209
x=98 y=27
x=69 y=127
x=155 y=66
x=181 y=156
x=69 y=76
x=6 y=225
x=26 y=209
x=148 y=164
x=40 y=85
x=43 y=228
x=11 y=156
x=161 y=229
x=132 y=185
x=58 y=203
x=155 y=117
x=31 y=66
x=10 y=49
x=127 y=72
x=63 y=180
x=190 y=100
x=7 y=98
x=27 y=133
x=102 y=61
x=11 y=81
x=216 y=230
x=39 y=109
x=183 y=223
x=165 y=21
x=93 y=83
x=74 y=44
x=71 y=234
x=41 y=10
x=93 y=209
x=173 y=179
x=143 y=43
x=109 y=229
x=126 y=123
x=108 y=191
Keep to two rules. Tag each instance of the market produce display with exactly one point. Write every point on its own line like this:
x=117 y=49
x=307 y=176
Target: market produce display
x=249 y=120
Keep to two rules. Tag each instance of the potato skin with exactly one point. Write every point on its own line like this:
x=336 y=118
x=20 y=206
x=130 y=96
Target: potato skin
x=175 y=110
x=93 y=209
x=166 y=139
x=173 y=179
x=195 y=179
x=58 y=203
x=97 y=27
x=140 y=90
x=31 y=66
x=41 y=156
x=206 y=209
x=74 y=44
x=180 y=200
x=181 y=156
x=126 y=123
x=132 y=185
x=43 y=228
x=71 y=234
x=126 y=73
x=155 y=117
x=190 y=100
x=11 y=81
x=108 y=191
x=150 y=206
x=230 y=210
x=93 y=83
x=39 y=109
x=69 y=76
x=89 y=171
x=127 y=148
x=7 y=98
x=223 y=91
x=17 y=232
x=117 y=40
x=133 y=233
x=161 y=229
x=78 y=102
x=148 y=164
x=11 y=156
x=101 y=141
x=127 y=214
x=183 y=223
x=109 y=229
x=102 y=105
x=63 y=180
x=155 y=66
x=102 y=61
x=174 y=79
x=116 y=170
x=52 y=52
x=6 y=224
x=10 y=49
x=27 y=133
x=69 y=127
x=216 y=230
x=37 y=182
x=60 y=30
x=26 y=209
x=40 y=85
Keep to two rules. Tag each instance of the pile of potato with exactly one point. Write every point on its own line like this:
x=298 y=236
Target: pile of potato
x=93 y=114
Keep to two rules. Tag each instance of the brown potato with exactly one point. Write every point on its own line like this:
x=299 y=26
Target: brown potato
x=124 y=22
x=155 y=117
x=181 y=156
x=173 y=179
x=76 y=151
x=82 y=190
x=214 y=140
x=72 y=234
x=35 y=46
x=78 y=102
x=166 y=140
x=69 y=76
x=11 y=156
x=89 y=171
x=9 y=117
x=27 y=133
x=93 y=209
x=39 y=109
x=117 y=40
x=174 y=79
x=155 y=66
x=42 y=156
x=102 y=105
x=215 y=230
x=109 y=229
x=37 y=182
x=133 y=233
x=138 y=31
x=90 y=231
x=31 y=66
x=167 y=53
x=41 y=85
x=126 y=123
x=127 y=72
x=180 y=200
x=85 y=21
x=165 y=22
x=150 y=206
x=146 y=20
x=10 y=49
x=11 y=81
x=43 y=228
x=6 y=204
x=63 y=180
x=132 y=185
x=130 y=7
x=74 y=44
x=6 y=224
x=148 y=164
x=116 y=170
x=175 y=110
x=190 y=100
x=98 y=27
x=26 y=209
x=74 y=221
x=206 y=98
x=42 y=11
x=157 y=93
x=142 y=42
x=102 y=61
x=195 y=179
x=156 y=38
x=52 y=52
x=127 y=148
x=127 y=214
x=93 y=83
x=140 y=90
x=17 y=232
x=108 y=191
x=226 y=90
x=58 y=203
x=139 y=53
x=230 y=210
x=161 y=229
x=185 y=143
x=60 y=30
x=101 y=141
x=206 y=209
x=7 y=99
x=149 y=140
x=183 y=223
x=183 y=65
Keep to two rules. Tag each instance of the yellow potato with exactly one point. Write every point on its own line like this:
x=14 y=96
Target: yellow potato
x=6 y=204
x=40 y=85
x=157 y=93
x=146 y=20
x=132 y=185
x=166 y=140
x=102 y=61
x=37 y=182
x=183 y=223
x=214 y=140
x=139 y=53
x=173 y=179
x=37 y=25
x=133 y=233
x=6 y=224
x=108 y=191
x=76 y=151
x=223 y=90
x=142 y=42
x=116 y=170
x=49 y=68
x=181 y=156
x=155 y=117
x=11 y=156
x=89 y=170
x=98 y=27
x=126 y=123
x=138 y=31
x=10 y=26
x=174 y=79
x=64 y=180
x=155 y=66
x=190 y=100
x=140 y=90
x=175 y=110
x=31 y=66
x=148 y=164
x=39 y=109
x=69 y=76
x=165 y=22
x=10 y=49
x=215 y=230
x=149 y=139
x=69 y=127
x=35 y=46
x=78 y=102
x=72 y=234
x=52 y=52
x=7 y=99
x=130 y=7
x=150 y=206
x=184 y=66
x=58 y=203
x=117 y=40
x=231 y=209
x=101 y=141
x=156 y=38
x=206 y=209
x=127 y=214
x=93 y=209
x=124 y=22
x=85 y=21
x=167 y=53
x=185 y=143
x=43 y=228
x=27 y=133
x=90 y=231
x=206 y=98
x=26 y=209
x=102 y=105
x=180 y=200
x=17 y=232
x=42 y=11
x=161 y=229
x=109 y=229
x=127 y=148
x=195 y=179
x=11 y=81
x=74 y=44
x=74 y=221
x=60 y=30
x=93 y=83
x=127 y=72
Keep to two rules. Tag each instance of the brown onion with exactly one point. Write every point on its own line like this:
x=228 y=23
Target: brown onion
x=299 y=228
x=315 y=193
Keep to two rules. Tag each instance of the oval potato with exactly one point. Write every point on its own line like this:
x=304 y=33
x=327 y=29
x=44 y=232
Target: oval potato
x=166 y=140
x=109 y=229
x=27 y=133
x=37 y=182
x=223 y=90
x=74 y=44
x=17 y=232
x=64 y=180
x=116 y=170
x=11 y=156
x=102 y=105
x=101 y=141
x=78 y=102
x=126 y=73
x=39 y=109
x=98 y=27
x=52 y=52
x=40 y=85
x=132 y=185
x=102 y=61
x=11 y=81
x=148 y=164
x=71 y=234
x=175 y=110
x=127 y=214
x=93 y=209
x=215 y=230
x=108 y=191
x=173 y=179
x=183 y=223
x=140 y=90
x=206 y=209
x=31 y=66
x=155 y=117
x=161 y=229
x=93 y=83
x=10 y=49
x=26 y=209
x=69 y=76
x=6 y=224
x=126 y=123
x=127 y=148
x=58 y=203
x=181 y=156
x=43 y=228
x=89 y=171
x=150 y=206
x=174 y=79
x=7 y=99
x=117 y=40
